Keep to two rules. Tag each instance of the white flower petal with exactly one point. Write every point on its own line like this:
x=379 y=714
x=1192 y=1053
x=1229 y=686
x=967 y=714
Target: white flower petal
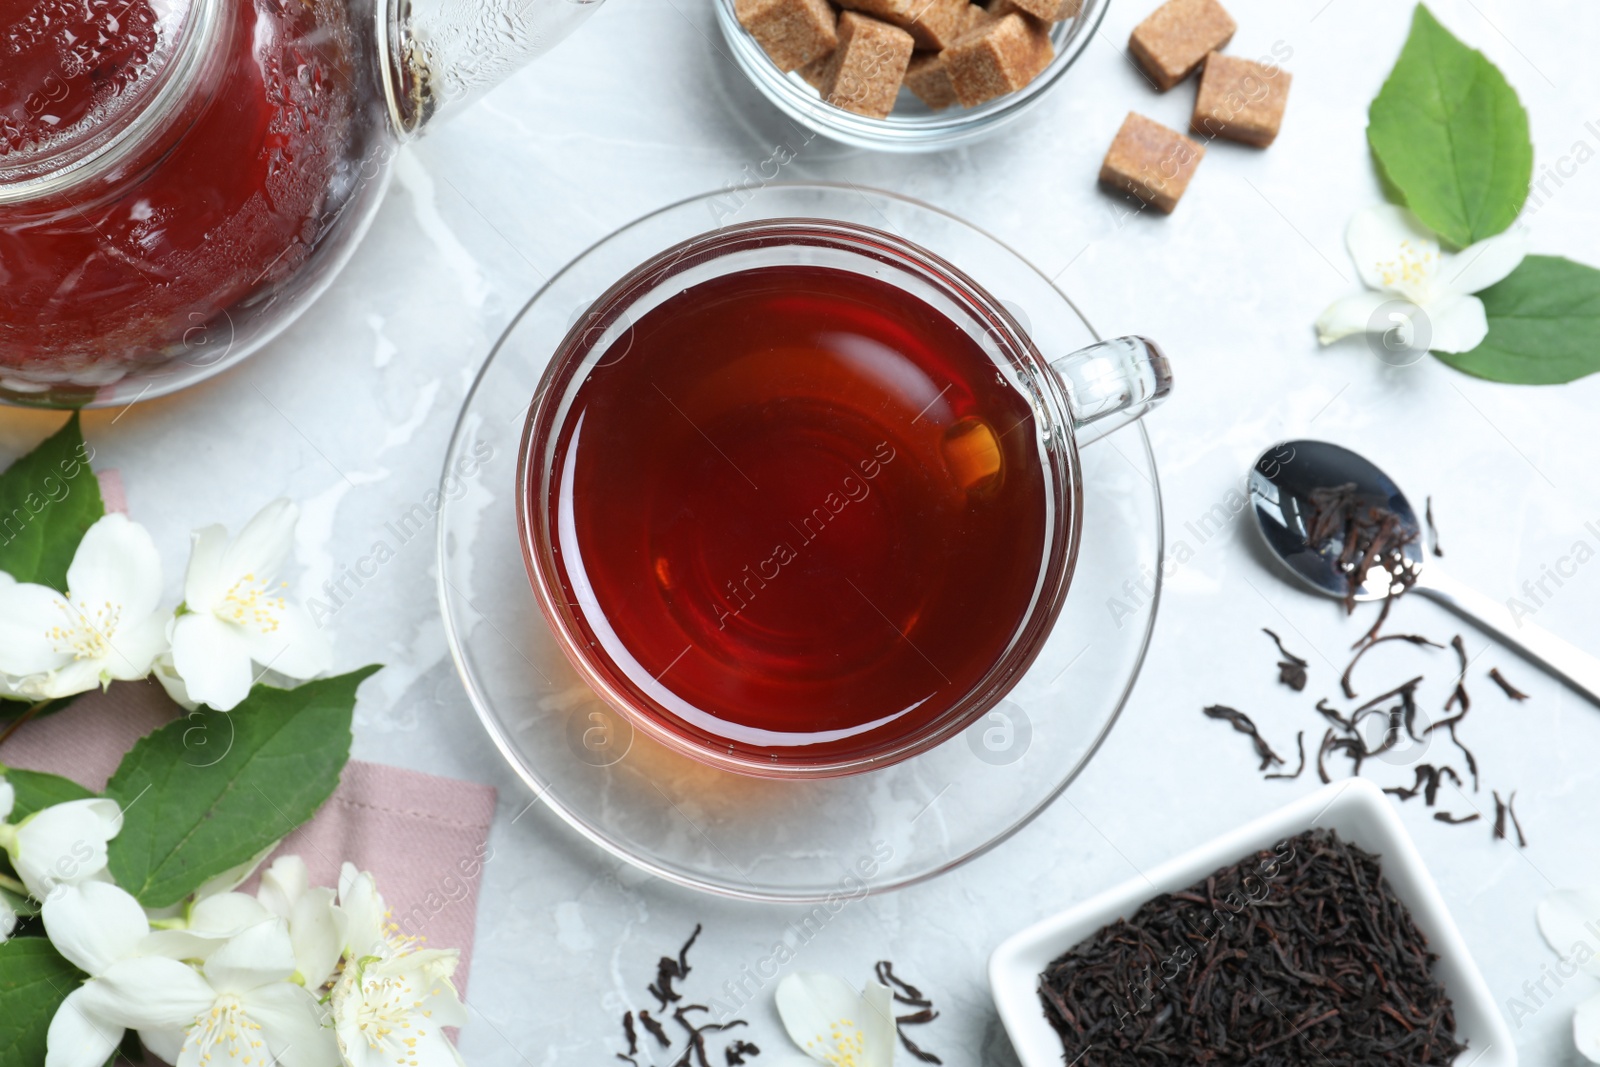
x=149 y=992
x=879 y=1025
x=1350 y=315
x=8 y=799
x=1479 y=266
x=433 y=1049
x=65 y=843
x=375 y=1026
x=258 y=956
x=434 y=969
x=164 y=1045
x=292 y=645
x=348 y=873
x=1459 y=324
x=283 y=884
x=292 y=1025
x=213 y=659
x=1586 y=1028
x=263 y=544
x=94 y=925
x=79 y=1038
x=213 y=922
x=233 y=877
x=816 y=1007
x=117 y=563
x=191 y=946
x=8 y=918
x=1394 y=251
x=317 y=932
x=134 y=649
x=165 y=672
x=230 y=913
x=27 y=615
x=1569 y=919
x=77 y=676
x=204 y=582
x=358 y=896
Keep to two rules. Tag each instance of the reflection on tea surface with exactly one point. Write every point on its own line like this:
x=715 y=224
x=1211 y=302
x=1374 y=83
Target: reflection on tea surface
x=803 y=513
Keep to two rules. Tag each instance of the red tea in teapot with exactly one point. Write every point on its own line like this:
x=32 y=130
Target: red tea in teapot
x=798 y=508
x=207 y=214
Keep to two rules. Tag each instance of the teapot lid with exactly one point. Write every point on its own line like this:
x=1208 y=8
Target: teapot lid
x=84 y=75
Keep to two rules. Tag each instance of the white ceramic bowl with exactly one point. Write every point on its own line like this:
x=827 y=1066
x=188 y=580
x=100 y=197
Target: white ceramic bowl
x=1359 y=812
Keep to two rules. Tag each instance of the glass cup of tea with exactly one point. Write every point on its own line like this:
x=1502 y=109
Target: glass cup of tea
x=799 y=498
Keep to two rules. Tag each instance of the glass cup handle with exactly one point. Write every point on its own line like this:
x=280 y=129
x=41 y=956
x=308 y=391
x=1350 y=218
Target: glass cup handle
x=1112 y=383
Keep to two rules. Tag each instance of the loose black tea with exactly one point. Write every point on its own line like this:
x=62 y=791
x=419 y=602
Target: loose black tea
x=1455 y=820
x=908 y=994
x=1433 y=531
x=1503 y=808
x=1241 y=722
x=1300 y=743
x=904 y=992
x=1516 y=823
x=657 y=1031
x=1429 y=778
x=670 y=971
x=1459 y=696
x=1510 y=690
x=1301 y=954
x=631 y=1034
x=1367 y=533
x=1353 y=747
x=1377 y=624
x=736 y=1053
x=1363 y=646
x=1291 y=669
x=1472 y=762
x=697 y=1035
x=1381 y=726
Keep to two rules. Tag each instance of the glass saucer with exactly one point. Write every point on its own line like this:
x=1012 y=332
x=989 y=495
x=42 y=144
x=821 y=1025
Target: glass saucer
x=774 y=840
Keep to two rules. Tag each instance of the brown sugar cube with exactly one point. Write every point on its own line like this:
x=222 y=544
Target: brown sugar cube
x=928 y=78
x=933 y=24
x=997 y=58
x=865 y=72
x=815 y=73
x=791 y=32
x=977 y=15
x=1240 y=100
x=1177 y=37
x=1044 y=10
x=1151 y=162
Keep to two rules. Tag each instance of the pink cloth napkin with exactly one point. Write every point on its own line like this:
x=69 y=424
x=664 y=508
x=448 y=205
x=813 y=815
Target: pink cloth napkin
x=424 y=838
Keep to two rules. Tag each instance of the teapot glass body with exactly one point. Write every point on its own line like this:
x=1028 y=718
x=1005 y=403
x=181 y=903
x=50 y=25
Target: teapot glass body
x=179 y=180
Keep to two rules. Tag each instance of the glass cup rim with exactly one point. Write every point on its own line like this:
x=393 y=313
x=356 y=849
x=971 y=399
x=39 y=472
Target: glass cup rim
x=565 y=372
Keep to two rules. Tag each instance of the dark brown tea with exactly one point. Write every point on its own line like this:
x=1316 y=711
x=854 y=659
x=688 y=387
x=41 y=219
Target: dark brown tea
x=800 y=512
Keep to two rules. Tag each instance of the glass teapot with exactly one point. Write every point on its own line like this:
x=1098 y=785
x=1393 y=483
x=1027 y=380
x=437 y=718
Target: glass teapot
x=179 y=179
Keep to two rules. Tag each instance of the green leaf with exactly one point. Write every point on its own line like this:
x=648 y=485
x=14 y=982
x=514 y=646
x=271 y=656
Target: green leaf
x=209 y=791
x=1544 y=325
x=36 y=790
x=1451 y=137
x=48 y=500
x=10 y=709
x=20 y=904
x=34 y=980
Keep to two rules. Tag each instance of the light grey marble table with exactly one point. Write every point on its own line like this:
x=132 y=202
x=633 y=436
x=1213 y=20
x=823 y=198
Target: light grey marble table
x=349 y=413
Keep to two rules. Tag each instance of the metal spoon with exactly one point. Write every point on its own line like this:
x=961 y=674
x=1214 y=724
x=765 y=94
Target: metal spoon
x=1280 y=486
